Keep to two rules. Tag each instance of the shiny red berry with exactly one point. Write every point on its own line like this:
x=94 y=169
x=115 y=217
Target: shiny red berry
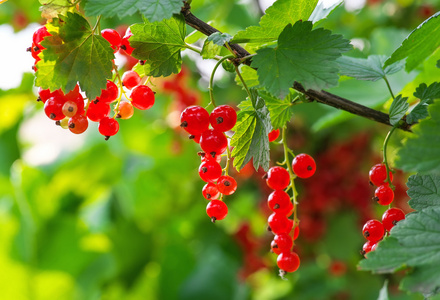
x=384 y=195
x=304 y=165
x=130 y=79
x=283 y=242
x=373 y=230
x=216 y=210
x=368 y=247
x=142 y=97
x=278 y=178
x=279 y=223
x=210 y=191
x=108 y=127
x=113 y=37
x=226 y=185
x=194 y=119
x=110 y=93
x=378 y=174
x=97 y=111
x=391 y=216
x=210 y=171
x=213 y=142
x=279 y=202
x=53 y=108
x=125 y=44
x=288 y=261
x=78 y=124
x=273 y=135
x=223 y=118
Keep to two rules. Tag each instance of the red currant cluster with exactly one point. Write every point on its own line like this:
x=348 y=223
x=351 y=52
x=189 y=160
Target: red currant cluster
x=36 y=47
x=280 y=203
x=74 y=112
x=374 y=230
x=213 y=141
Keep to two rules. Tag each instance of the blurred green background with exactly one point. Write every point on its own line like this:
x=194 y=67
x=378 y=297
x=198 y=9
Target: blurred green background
x=84 y=218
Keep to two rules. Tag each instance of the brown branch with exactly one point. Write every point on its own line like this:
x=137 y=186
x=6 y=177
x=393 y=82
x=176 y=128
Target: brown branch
x=319 y=96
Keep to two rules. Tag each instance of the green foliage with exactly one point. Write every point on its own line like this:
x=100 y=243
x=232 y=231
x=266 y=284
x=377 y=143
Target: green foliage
x=159 y=44
x=371 y=68
x=321 y=12
x=423 y=143
x=398 y=109
x=219 y=38
x=280 y=67
x=74 y=54
x=271 y=25
x=52 y=8
x=153 y=10
x=426 y=95
x=420 y=44
x=281 y=111
x=424 y=191
x=250 y=139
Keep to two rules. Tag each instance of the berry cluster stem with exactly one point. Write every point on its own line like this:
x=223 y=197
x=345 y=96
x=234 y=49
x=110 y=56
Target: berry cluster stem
x=211 y=79
x=385 y=158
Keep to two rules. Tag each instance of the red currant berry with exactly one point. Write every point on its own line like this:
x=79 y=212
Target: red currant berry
x=391 y=216
x=194 y=119
x=373 y=230
x=288 y=261
x=284 y=242
x=125 y=44
x=125 y=110
x=97 y=111
x=279 y=202
x=108 y=127
x=53 y=108
x=367 y=247
x=303 y=165
x=213 y=142
x=110 y=94
x=69 y=109
x=210 y=171
x=378 y=174
x=46 y=94
x=274 y=247
x=384 y=195
x=130 y=79
x=223 y=118
x=278 y=178
x=142 y=97
x=78 y=124
x=210 y=191
x=279 y=223
x=205 y=157
x=273 y=135
x=226 y=185
x=216 y=210
x=39 y=35
x=113 y=37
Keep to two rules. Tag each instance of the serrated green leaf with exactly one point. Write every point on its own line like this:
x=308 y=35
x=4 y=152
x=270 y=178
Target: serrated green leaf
x=153 y=10
x=219 y=38
x=159 y=44
x=419 y=112
x=423 y=143
x=74 y=54
x=426 y=95
x=420 y=44
x=228 y=66
x=370 y=68
x=52 y=8
x=424 y=280
x=398 y=109
x=304 y=55
x=250 y=139
x=281 y=111
x=321 y=11
x=210 y=49
x=275 y=19
x=424 y=191
x=249 y=75
x=414 y=241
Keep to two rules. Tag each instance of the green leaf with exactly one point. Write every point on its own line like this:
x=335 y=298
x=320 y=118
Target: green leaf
x=249 y=75
x=423 y=143
x=370 y=68
x=52 y=8
x=250 y=139
x=159 y=44
x=304 y=55
x=383 y=294
x=424 y=280
x=153 y=10
x=210 y=50
x=321 y=12
x=74 y=54
x=420 y=44
x=398 y=109
x=219 y=38
x=424 y=191
x=281 y=111
x=426 y=95
x=273 y=22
